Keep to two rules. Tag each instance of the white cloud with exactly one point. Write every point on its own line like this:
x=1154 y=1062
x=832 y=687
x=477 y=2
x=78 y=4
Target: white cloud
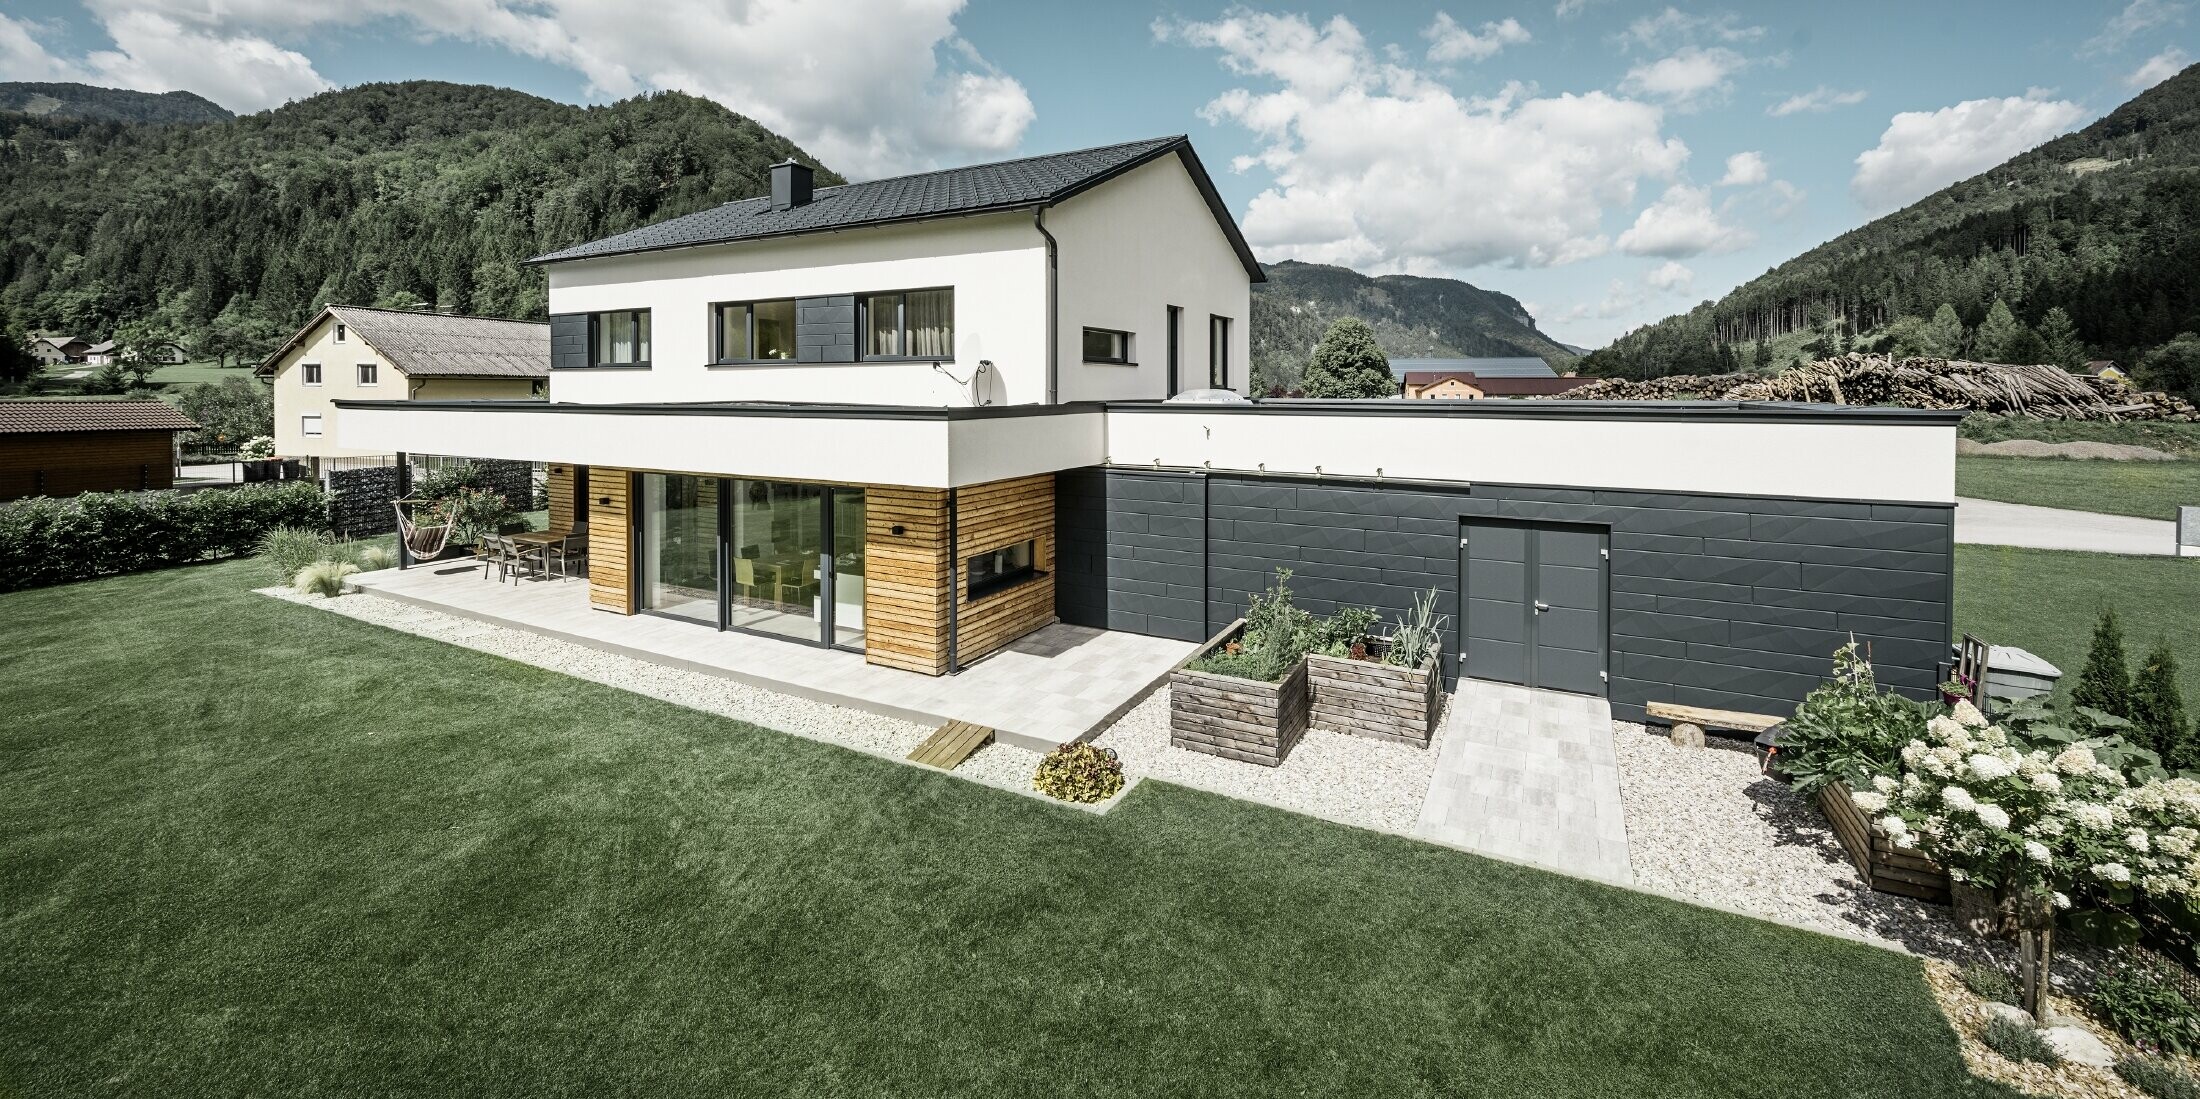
x=1923 y=151
x=1449 y=41
x=1670 y=277
x=1676 y=27
x=1818 y=100
x=2158 y=68
x=1381 y=168
x=1567 y=9
x=870 y=87
x=2137 y=18
x=22 y=58
x=1787 y=198
x=1745 y=169
x=1688 y=78
x=1681 y=223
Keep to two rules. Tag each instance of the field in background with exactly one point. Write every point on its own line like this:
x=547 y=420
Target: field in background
x=2046 y=601
x=2150 y=490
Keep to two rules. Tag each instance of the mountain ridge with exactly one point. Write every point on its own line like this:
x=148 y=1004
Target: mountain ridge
x=1414 y=316
x=91 y=102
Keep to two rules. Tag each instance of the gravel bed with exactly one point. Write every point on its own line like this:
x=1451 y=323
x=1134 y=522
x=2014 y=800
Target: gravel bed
x=999 y=765
x=1347 y=779
x=1705 y=825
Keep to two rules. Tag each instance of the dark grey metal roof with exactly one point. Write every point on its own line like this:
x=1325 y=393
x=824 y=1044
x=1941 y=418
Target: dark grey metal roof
x=1519 y=367
x=953 y=192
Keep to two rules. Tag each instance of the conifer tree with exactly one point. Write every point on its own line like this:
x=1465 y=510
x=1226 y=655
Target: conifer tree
x=2158 y=711
x=2060 y=337
x=1998 y=335
x=1348 y=363
x=2105 y=682
x=1943 y=335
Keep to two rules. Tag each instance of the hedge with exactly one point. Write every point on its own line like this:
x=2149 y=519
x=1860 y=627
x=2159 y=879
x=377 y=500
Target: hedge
x=47 y=541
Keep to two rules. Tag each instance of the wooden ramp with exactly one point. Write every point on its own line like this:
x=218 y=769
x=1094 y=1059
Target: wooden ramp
x=954 y=742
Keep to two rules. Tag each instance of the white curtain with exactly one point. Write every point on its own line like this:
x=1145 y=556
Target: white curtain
x=931 y=320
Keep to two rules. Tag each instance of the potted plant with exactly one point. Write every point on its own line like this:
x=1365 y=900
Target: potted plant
x=1384 y=688
x=255 y=459
x=1243 y=695
x=1957 y=689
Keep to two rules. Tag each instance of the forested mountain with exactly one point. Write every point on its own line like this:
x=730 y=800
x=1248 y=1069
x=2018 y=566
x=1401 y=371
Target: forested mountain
x=1411 y=315
x=228 y=235
x=84 y=101
x=2091 y=243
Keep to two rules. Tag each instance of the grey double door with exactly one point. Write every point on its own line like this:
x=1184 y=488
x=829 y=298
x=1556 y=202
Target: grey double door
x=1531 y=604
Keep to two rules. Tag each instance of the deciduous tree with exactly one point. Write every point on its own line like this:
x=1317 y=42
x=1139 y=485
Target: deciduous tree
x=1349 y=363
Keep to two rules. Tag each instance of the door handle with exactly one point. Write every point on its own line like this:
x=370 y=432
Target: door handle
x=1541 y=606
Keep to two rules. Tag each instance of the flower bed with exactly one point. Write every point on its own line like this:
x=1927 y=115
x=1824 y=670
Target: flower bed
x=1885 y=867
x=1375 y=699
x=1234 y=717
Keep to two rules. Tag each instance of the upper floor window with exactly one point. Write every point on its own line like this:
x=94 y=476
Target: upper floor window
x=369 y=374
x=754 y=331
x=909 y=324
x=1218 y=352
x=619 y=338
x=1106 y=345
x=341 y=331
x=309 y=373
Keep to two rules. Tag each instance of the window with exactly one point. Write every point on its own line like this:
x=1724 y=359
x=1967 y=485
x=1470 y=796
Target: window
x=1218 y=352
x=309 y=373
x=1106 y=345
x=620 y=338
x=755 y=331
x=913 y=324
x=340 y=333
x=369 y=374
x=1003 y=568
x=309 y=425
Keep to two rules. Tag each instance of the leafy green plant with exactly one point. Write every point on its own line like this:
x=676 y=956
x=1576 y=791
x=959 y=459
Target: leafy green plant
x=256 y=448
x=2158 y=1078
x=1989 y=982
x=323 y=578
x=2140 y=996
x=1848 y=730
x=1079 y=772
x=45 y=541
x=289 y=549
x=1413 y=634
x=375 y=558
x=2018 y=1042
x=1277 y=635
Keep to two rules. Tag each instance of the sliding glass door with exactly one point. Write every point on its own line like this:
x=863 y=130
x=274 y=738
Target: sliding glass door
x=792 y=553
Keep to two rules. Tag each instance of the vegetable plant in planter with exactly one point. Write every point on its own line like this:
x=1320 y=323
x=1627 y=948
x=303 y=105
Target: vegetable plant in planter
x=1842 y=747
x=1244 y=695
x=1385 y=688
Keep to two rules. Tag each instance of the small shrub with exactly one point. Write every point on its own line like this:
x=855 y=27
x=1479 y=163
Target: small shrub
x=256 y=448
x=375 y=558
x=323 y=578
x=1079 y=772
x=1989 y=982
x=2018 y=1042
x=1411 y=638
x=2158 y=1078
x=2140 y=997
x=1848 y=730
x=288 y=549
x=1277 y=636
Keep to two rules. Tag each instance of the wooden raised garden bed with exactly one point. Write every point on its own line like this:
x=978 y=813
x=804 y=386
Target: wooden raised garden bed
x=1885 y=867
x=1375 y=700
x=1234 y=718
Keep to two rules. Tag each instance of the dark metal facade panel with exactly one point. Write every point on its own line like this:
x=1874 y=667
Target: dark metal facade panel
x=1733 y=602
x=825 y=329
x=569 y=341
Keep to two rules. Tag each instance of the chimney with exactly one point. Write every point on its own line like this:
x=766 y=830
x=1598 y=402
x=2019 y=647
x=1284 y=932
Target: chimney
x=790 y=185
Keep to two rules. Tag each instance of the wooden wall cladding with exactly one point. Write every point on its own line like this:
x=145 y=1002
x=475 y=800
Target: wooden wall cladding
x=610 y=539
x=906 y=578
x=559 y=488
x=66 y=463
x=989 y=517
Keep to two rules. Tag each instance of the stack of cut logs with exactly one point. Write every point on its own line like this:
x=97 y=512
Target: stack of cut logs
x=2045 y=392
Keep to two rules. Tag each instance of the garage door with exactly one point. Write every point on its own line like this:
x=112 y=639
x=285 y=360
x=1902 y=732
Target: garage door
x=1531 y=604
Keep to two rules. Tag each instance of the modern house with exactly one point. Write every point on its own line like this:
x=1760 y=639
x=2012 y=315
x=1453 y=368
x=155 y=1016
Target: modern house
x=393 y=354
x=921 y=417
x=61 y=448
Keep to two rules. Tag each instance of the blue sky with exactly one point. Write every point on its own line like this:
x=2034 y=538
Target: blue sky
x=1607 y=162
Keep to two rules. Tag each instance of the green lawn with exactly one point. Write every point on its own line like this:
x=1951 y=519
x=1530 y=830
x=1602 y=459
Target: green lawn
x=2169 y=435
x=2152 y=490
x=2046 y=601
x=254 y=848
x=167 y=379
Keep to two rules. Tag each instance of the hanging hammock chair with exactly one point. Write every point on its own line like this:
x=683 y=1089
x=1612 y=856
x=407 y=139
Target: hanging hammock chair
x=424 y=541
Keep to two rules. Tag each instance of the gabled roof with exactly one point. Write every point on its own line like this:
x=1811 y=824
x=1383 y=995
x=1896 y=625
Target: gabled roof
x=955 y=192
x=100 y=348
x=1514 y=367
x=421 y=344
x=48 y=417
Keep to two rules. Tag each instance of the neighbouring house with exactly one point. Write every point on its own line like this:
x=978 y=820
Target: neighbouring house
x=1475 y=379
x=101 y=353
x=922 y=417
x=58 y=350
x=2106 y=368
x=61 y=448
x=394 y=354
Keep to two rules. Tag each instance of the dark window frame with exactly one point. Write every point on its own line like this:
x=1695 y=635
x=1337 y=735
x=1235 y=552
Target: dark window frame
x=340 y=333
x=595 y=319
x=975 y=589
x=1218 y=351
x=863 y=325
x=309 y=373
x=717 y=324
x=1124 y=335
x=366 y=374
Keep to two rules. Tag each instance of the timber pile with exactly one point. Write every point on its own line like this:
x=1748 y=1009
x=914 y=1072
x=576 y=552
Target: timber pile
x=2042 y=392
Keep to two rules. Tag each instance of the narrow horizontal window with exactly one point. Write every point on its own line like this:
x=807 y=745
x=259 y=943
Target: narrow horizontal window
x=1106 y=345
x=1005 y=567
x=755 y=331
x=619 y=338
x=309 y=425
x=909 y=324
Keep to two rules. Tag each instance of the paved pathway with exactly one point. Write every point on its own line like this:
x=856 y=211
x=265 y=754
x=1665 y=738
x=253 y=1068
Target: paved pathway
x=1531 y=776
x=1990 y=523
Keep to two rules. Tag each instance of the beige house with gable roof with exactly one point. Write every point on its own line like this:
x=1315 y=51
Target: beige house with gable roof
x=354 y=352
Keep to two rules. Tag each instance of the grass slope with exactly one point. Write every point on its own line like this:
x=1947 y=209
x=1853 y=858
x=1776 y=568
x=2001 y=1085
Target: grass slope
x=252 y=848
x=2047 y=600
x=2150 y=490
